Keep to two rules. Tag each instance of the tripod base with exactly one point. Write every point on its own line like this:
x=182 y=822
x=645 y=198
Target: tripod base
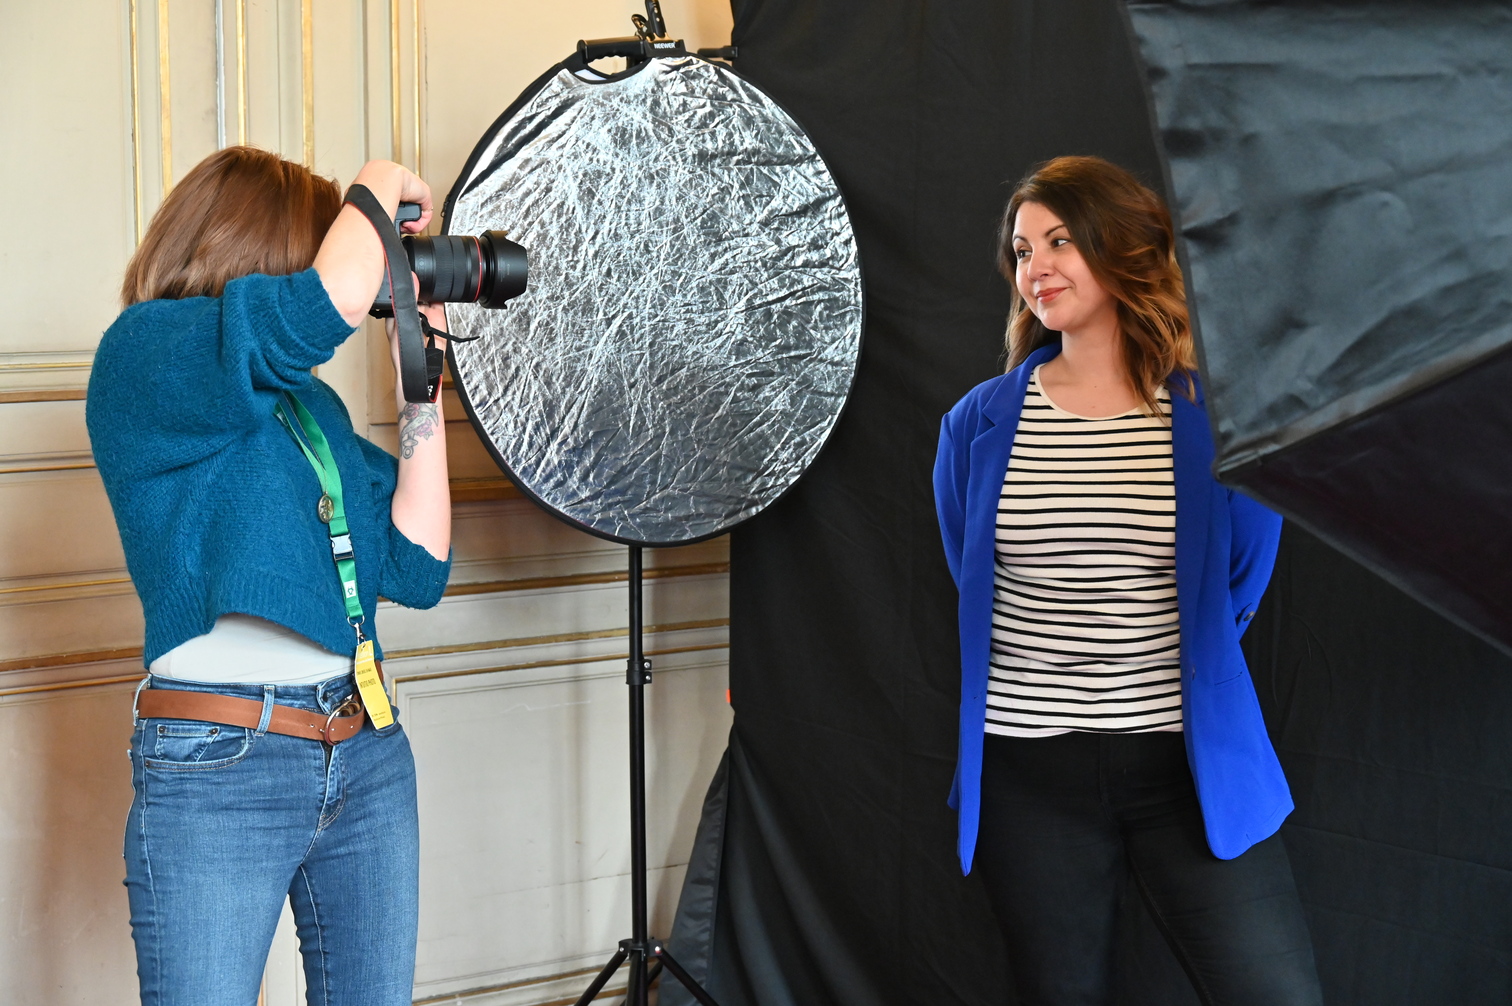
x=647 y=960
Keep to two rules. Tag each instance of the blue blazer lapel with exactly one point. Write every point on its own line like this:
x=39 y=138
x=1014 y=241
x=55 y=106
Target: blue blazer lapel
x=992 y=447
x=1192 y=450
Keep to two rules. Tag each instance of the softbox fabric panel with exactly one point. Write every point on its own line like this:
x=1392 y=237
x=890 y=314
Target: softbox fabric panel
x=1342 y=173
x=823 y=871
x=693 y=318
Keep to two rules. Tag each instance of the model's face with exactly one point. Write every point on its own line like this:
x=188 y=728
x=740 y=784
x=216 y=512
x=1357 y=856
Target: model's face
x=1052 y=276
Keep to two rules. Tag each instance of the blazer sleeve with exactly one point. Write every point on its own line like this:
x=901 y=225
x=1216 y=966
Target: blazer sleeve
x=951 y=471
x=1256 y=534
x=409 y=575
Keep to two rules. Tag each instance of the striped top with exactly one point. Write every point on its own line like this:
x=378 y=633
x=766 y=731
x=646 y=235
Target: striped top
x=1084 y=627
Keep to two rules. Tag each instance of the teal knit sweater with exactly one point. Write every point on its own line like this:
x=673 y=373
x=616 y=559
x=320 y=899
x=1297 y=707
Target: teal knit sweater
x=215 y=503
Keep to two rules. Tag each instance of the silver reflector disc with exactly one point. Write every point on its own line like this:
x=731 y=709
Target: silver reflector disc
x=693 y=319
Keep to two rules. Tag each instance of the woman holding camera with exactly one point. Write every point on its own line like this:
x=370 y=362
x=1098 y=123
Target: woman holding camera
x=1108 y=723
x=259 y=530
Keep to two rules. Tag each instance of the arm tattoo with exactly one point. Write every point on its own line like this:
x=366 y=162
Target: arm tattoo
x=416 y=423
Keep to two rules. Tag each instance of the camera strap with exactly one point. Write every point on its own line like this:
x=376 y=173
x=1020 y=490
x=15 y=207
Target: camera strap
x=312 y=443
x=415 y=379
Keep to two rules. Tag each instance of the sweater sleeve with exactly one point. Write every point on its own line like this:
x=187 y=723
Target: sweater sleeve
x=409 y=575
x=196 y=373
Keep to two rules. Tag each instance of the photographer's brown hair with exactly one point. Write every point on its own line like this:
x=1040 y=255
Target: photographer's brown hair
x=239 y=211
x=1123 y=231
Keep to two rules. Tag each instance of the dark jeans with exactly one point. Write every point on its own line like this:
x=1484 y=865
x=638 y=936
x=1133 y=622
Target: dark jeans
x=1066 y=819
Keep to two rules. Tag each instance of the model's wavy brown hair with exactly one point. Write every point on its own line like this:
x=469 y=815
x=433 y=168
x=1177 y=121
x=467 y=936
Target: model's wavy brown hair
x=1123 y=231
x=239 y=211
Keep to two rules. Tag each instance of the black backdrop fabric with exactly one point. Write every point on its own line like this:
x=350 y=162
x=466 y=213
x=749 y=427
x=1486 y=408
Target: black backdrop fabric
x=824 y=869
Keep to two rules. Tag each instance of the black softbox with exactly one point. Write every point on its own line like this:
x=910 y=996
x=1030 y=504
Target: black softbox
x=1342 y=175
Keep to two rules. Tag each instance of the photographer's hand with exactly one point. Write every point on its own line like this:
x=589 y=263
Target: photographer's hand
x=350 y=260
x=421 y=509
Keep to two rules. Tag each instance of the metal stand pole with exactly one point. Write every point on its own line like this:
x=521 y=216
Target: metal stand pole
x=638 y=675
x=647 y=954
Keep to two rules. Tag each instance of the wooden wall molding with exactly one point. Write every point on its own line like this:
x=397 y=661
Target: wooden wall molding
x=96 y=667
x=43 y=372
x=583 y=579
x=559 y=637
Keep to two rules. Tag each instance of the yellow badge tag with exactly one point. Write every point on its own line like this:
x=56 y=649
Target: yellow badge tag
x=370 y=686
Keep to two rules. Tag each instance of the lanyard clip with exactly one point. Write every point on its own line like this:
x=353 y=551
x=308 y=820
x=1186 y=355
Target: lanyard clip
x=341 y=546
x=356 y=624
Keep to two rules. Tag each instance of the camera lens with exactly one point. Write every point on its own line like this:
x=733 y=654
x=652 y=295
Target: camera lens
x=490 y=269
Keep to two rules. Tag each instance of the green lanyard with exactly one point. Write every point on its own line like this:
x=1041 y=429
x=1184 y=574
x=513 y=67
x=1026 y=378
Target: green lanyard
x=330 y=509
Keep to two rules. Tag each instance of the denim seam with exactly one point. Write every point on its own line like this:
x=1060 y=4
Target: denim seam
x=1193 y=976
x=157 y=944
x=325 y=985
x=333 y=770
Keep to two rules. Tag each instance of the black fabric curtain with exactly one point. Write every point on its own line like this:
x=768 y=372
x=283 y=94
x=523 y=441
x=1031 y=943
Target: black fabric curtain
x=824 y=870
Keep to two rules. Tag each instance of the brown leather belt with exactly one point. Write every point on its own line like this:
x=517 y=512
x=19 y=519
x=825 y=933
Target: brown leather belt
x=207 y=707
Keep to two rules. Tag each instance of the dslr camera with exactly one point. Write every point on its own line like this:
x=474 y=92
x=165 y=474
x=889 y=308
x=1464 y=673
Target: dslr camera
x=488 y=269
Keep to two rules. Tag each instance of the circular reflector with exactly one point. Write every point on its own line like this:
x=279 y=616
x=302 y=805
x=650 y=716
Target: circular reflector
x=693 y=317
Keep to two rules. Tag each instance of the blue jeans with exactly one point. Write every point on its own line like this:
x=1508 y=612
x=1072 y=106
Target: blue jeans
x=228 y=822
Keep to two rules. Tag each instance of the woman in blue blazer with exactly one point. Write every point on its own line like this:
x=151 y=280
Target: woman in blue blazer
x=1108 y=722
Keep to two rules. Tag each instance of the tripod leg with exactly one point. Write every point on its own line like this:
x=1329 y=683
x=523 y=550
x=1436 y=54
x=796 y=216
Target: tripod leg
x=635 y=994
x=687 y=980
x=603 y=978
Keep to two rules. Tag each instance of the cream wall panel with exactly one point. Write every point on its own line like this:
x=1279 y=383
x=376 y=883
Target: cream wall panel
x=481 y=618
x=56 y=523
x=274 y=72
x=510 y=765
x=35 y=433
x=100 y=620
x=193 y=93
x=64 y=794
x=345 y=84
x=514 y=539
x=339 y=67
x=65 y=103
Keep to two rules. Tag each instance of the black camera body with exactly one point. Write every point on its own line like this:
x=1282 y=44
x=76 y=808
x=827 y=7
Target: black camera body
x=488 y=269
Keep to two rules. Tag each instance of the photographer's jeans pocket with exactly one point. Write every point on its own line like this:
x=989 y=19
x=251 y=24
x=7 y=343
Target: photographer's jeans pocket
x=229 y=823
x=186 y=745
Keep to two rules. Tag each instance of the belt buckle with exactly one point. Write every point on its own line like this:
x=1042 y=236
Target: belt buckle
x=350 y=703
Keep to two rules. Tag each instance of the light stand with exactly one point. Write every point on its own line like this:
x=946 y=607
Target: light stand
x=641 y=947
x=806 y=313
x=648 y=955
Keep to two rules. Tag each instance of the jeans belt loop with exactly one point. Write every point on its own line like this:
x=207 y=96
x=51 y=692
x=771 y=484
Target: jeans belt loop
x=135 y=696
x=267 y=712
